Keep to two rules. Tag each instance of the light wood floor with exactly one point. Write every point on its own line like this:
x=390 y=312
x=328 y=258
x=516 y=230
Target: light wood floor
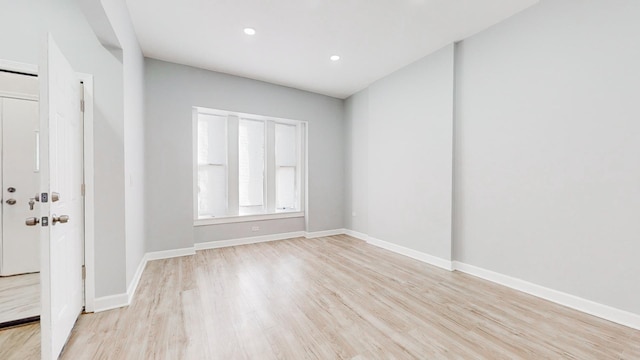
x=19 y=297
x=328 y=298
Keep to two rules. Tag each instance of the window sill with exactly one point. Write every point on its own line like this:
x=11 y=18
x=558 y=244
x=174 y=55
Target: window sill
x=247 y=218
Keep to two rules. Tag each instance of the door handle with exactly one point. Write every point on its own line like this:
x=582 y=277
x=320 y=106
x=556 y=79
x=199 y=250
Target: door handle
x=32 y=221
x=63 y=219
x=11 y=201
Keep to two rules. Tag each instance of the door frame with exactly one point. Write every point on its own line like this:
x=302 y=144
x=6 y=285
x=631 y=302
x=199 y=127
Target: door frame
x=88 y=177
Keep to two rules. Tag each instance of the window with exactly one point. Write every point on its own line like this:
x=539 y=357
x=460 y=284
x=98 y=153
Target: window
x=286 y=166
x=251 y=161
x=247 y=166
x=212 y=165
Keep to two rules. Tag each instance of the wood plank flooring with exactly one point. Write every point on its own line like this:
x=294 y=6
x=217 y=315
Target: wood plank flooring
x=19 y=297
x=328 y=298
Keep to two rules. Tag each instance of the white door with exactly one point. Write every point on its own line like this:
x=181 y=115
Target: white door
x=20 y=165
x=60 y=173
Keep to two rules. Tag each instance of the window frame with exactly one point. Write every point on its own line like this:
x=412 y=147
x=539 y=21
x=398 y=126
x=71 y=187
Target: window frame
x=264 y=164
x=269 y=196
x=199 y=166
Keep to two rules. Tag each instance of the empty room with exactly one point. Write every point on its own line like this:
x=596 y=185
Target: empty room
x=319 y=179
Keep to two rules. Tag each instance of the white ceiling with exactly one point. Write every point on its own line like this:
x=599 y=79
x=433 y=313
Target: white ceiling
x=295 y=38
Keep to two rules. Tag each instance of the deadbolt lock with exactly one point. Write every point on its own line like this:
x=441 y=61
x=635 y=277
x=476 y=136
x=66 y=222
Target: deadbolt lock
x=32 y=221
x=55 y=196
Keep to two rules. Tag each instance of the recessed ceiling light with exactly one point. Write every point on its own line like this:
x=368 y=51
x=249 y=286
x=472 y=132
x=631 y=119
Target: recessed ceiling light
x=334 y=58
x=250 y=31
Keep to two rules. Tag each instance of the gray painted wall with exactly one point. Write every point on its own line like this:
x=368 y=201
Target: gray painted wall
x=547 y=144
x=134 y=149
x=171 y=92
x=357 y=169
x=21 y=30
x=401 y=156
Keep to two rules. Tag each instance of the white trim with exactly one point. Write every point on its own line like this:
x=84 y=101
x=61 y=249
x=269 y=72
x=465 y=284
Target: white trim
x=357 y=235
x=587 y=306
x=133 y=286
x=168 y=254
x=21 y=96
x=121 y=300
x=304 y=201
x=110 y=302
x=194 y=162
x=414 y=254
x=89 y=200
x=241 y=115
x=267 y=238
x=116 y=301
x=317 y=234
x=232 y=122
x=19 y=67
x=248 y=240
x=89 y=197
x=247 y=218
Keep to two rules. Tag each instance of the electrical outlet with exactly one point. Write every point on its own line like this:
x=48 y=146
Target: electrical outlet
x=255 y=228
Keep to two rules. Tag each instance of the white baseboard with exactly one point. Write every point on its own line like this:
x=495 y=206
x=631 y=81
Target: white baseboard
x=121 y=300
x=168 y=254
x=133 y=286
x=357 y=235
x=248 y=240
x=587 y=306
x=414 y=254
x=266 y=238
x=110 y=302
x=317 y=234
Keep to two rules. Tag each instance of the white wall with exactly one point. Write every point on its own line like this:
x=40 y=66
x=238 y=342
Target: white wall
x=171 y=92
x=547 y=141
x=401 y=156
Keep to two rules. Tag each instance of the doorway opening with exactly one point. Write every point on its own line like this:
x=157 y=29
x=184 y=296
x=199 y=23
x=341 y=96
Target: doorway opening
x=19 y=183
x=27 y=71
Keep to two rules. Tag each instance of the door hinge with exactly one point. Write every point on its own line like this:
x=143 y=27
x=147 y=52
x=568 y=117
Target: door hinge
x=82 y=189
x=84 y=272
x=82 y=105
